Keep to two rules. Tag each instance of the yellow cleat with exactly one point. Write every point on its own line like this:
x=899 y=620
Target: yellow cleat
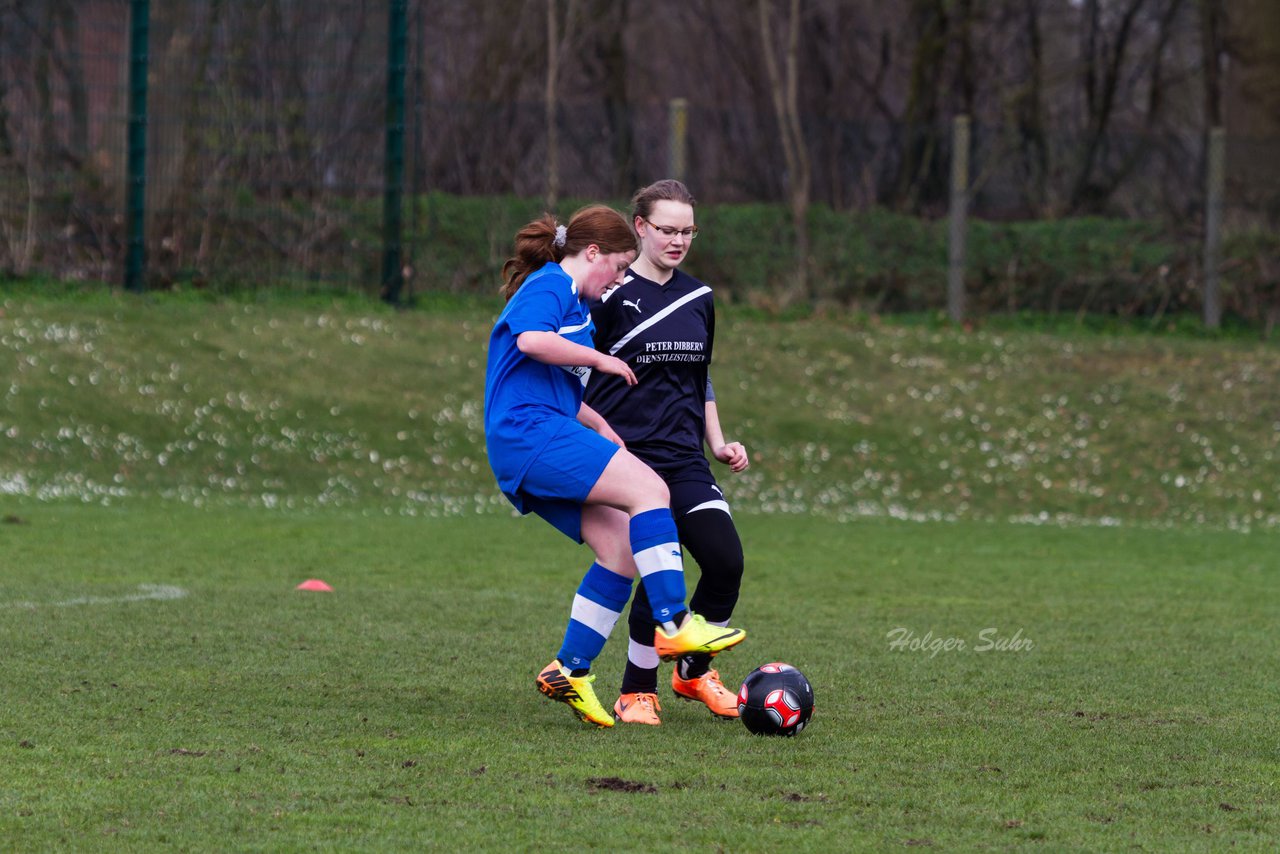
x=696 y=635
x=575 y=692
x=638 y=709
x=707 y=689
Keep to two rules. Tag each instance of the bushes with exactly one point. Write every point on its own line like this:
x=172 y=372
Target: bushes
x=1085 y=265
x=874 y=261
x=878 y=261
x=1251 y=278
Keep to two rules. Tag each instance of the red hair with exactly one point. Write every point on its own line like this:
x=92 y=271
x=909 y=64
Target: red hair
x=536 y=242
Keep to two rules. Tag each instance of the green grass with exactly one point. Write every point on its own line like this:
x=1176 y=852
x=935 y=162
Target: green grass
x=399 y=713
x=314 y=403
x=1114 y=500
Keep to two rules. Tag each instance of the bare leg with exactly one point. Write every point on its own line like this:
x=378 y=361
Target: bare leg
x=605 y=530
x=630 y=488
x=629 y=485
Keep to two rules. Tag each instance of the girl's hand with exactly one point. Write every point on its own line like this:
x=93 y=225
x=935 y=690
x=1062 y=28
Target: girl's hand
x=732 y=454
x=593 y=420
x=617 y=367
x=608 y=432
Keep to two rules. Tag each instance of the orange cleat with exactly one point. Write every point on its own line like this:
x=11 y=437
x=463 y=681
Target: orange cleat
x=707 y=689
x=637 y=709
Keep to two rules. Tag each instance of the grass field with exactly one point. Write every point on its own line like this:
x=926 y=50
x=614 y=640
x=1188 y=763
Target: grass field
x=399 y=712
x=1105 y=508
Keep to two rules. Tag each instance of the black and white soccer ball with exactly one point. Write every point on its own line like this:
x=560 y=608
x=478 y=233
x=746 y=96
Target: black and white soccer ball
x=775 y=699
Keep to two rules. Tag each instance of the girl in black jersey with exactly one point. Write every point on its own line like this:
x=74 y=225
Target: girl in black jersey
x=661 y=321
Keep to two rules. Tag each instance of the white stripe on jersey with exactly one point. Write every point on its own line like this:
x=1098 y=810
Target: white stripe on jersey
x=582 y=373
x=568 y=330
x=622 y=342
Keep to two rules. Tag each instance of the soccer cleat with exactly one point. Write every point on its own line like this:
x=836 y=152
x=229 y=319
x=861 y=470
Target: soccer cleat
x=696 y=635
x=638 y=709
x=707 y=689
x=575 y=692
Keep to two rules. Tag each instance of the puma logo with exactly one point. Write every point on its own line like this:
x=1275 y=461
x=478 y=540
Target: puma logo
x=635 y=305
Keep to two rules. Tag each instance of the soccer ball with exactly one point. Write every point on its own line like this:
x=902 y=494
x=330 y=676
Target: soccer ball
x=775 y=699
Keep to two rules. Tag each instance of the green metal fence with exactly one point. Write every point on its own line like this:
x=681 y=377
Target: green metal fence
x=392 y=146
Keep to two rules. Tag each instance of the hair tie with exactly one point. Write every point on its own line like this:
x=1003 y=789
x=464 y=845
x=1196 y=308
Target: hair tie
x=561 y=234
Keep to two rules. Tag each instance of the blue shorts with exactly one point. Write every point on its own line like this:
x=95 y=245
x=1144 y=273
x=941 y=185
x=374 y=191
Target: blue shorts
x=562 y=475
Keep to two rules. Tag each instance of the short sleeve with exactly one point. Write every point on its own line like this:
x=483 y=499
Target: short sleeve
x=540 y=305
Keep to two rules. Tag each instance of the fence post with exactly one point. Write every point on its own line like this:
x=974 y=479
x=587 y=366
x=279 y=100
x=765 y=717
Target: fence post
x=393 y=158
x=135 y=223
x=677 y=144
x=1215 y=179
x=959 y=210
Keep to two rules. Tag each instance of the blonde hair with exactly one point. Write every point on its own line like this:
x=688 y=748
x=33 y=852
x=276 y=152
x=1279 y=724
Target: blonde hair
x=666 y=190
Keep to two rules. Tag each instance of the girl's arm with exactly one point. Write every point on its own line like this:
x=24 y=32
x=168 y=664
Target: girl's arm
x=551 y=348
x=732 y=454
x=593 y=420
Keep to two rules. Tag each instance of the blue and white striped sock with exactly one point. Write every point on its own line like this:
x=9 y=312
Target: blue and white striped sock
x=600 y=600
x=656 y=547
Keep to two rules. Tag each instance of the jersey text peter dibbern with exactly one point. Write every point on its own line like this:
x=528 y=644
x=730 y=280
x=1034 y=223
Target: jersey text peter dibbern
x=665 y=333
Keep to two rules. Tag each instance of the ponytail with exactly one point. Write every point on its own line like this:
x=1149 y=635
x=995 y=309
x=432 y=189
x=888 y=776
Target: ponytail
x=535 y=247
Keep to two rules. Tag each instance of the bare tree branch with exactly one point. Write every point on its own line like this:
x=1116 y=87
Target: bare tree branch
x=784 y=87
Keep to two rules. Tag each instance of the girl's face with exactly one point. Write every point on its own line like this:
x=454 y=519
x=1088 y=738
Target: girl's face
x=604 y=270
x=665 y=236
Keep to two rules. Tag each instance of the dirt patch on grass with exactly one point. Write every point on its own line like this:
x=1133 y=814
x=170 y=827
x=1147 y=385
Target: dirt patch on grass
x=617 y=784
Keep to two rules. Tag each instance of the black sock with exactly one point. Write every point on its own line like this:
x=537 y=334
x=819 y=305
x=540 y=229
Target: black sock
x=581 y=671
x=639 y=680
x=693 y=666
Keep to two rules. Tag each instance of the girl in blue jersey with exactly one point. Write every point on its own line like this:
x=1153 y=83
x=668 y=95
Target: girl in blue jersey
x=556 y=457
x=662 y=322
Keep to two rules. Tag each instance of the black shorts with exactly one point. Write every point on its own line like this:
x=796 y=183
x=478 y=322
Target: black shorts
x=694 y=492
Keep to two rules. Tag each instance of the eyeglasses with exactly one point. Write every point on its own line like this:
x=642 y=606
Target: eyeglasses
x=669 y=232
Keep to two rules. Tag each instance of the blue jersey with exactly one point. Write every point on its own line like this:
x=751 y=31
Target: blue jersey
x=665 y=333
x=526 y=401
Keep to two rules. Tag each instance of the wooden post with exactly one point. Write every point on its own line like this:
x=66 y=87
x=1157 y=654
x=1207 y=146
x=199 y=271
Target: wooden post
x=678 y=121
x=958 y=214
x=1214 y=182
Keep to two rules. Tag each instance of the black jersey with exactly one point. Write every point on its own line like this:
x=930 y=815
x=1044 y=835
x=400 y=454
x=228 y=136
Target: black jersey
x=665 y=333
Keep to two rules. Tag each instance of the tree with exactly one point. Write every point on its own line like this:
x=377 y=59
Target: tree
x=1028 y=110
x=69 y=60
x=557 y=45
x=784 y=86
x=613 y=57
x=1102 y=64
x=921 y=120
x=1212 y=51
x=1252 y=110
